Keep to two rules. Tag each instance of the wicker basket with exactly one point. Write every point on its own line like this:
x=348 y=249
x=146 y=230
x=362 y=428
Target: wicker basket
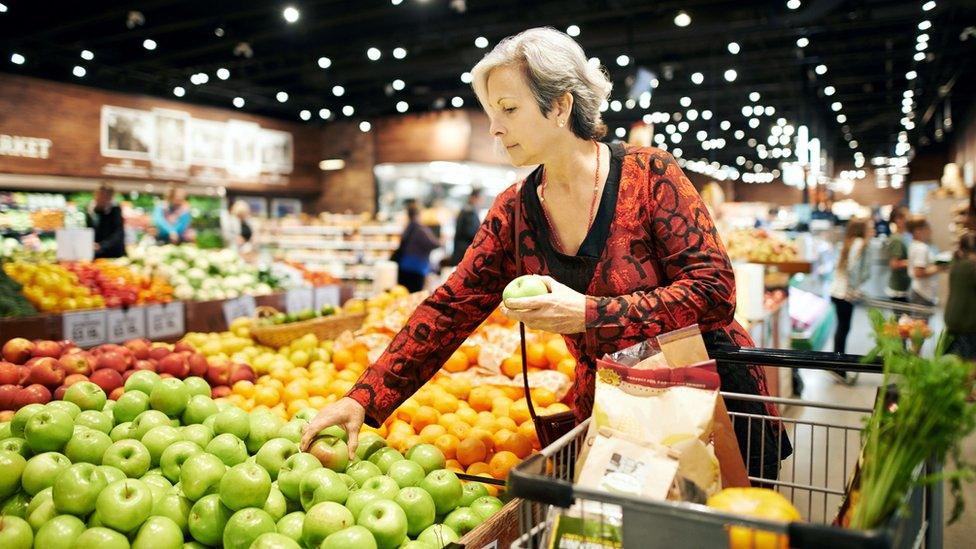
x=326 y=327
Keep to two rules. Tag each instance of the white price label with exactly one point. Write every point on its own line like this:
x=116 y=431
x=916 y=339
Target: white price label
x=327 y=295
x=125 y=324
x=86 y=329
x=236 y=308
x=299 y=299
x=165 y=321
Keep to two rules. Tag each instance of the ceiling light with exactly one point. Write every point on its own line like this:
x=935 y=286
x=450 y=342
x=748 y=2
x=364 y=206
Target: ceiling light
x=793 y=4
x=623 y=60
x=481 y=42
x=402 y=106
x=692 y=115
x=466 y=77
x=17 y=59
x=573 y=30
x=291 y=14
x=333 y=163
x=78 y=71
x=753 y=122
x=697 y=78
x=396 y=2
x=324 y=114
x=802 y=42
x=924 y=37
x=615 y=106
x=841 y=118
x=281 y=96
x=754 y=96
x=739 y=134
x=178 y=91
x=325 y=62
x=928 y=6
x=87 y=55
x=365 y=126
x=3 y=8
x=911 y=75
x=457 y=102
x=223 y=73
x=338 y=91
x=906 y=109
x=853 y=144
x=238 y=102
x=685 y=101
x=677 y=151
x=670 y=128
x=399 y=53
x=769 y=110
x=348 y=110
x=682 y=19
x=682 y=126
x=919 y=56
x=374 y=54
x=820 y=69
x=594 y=62
x=199 y=78
x=751 y=142
x=908 y=93
x=829 y=90
x=701 y=135
x=706 y=114
x=925 y=25
x=725 y=125
x=398 y=84
x=305 y=115
x=836 y=106
x=149 y=44
x=733 y=48
x=620 y=132
x=731 y=75
x=747 y=111
x=676 y=138
x=921 y=46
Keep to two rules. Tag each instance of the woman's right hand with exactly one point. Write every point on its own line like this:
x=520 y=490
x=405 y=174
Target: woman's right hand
x=346 y=413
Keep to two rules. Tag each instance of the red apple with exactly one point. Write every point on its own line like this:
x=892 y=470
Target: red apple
x=71 y=379
x=46 y=348
x=183 y=346
x=116 y=393
x=165 y=375
x=174 y=364
x=239 y=372
x=77 y=363
x=139 y=348
x=59 y=393
x=107 y=378
x=158 y=351
x=218 y=372
x=8 y=394
x=23 y=373
x=198 y=365
x=6 y=415
x=67 y=345
x=34 y=393
x=8 y=373
x=145 y=365
x=17 y=350
x=46 y=371
x=219 y=391
x=111 y=360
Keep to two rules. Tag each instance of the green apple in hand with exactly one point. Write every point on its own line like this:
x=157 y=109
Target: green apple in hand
x=229 y=448
x=324 y=519
x=12 y=466
x=245 y=526
x=100 y=537
x=200 y=475
x=207 y=520
x=130 y=405
x=357 y=537
x=332 y=452
x=77 y=488
x=386 y=521
x=49 y=430
x=158 y=439
x=320 y=485
x=245 y=485
x=124 y=505
x=15 y=533
x=129 y=456
x=41 y=470
x=419 y=508
x=525 y=286
x=293 y=471
x=445 y=488
x=291 y=525
x=59 y=532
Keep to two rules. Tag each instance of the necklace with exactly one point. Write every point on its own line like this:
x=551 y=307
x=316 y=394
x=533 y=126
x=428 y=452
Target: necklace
x=596 y=188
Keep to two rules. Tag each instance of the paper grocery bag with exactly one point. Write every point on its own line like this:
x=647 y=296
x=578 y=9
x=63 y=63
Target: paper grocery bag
x=730 y=463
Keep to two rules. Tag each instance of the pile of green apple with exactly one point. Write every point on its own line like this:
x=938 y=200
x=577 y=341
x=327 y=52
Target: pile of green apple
x=165 y=466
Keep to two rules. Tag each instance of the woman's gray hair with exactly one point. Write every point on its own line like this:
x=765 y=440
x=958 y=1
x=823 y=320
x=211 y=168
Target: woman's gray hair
x=553 y=64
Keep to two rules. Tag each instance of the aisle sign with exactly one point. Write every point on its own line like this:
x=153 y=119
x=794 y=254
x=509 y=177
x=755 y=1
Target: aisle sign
x=236 y=308
x=86 y=329
x=327 y=295
x=125 y=324
x=299 y=299
x=165 y=321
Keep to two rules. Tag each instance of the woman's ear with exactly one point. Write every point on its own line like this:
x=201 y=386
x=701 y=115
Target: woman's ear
x=562 y=108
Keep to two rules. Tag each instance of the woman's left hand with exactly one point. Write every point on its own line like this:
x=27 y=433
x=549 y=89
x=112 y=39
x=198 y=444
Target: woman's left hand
x=561 y=311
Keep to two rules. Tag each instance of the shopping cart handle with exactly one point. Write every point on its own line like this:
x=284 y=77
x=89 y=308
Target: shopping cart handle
x=529 y=483
x=789 y=358
x=805 y=534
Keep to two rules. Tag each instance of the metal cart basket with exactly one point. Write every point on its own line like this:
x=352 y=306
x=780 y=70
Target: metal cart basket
x=813 y=479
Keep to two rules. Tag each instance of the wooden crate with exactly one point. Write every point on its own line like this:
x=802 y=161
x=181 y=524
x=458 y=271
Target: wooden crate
x=499 y=531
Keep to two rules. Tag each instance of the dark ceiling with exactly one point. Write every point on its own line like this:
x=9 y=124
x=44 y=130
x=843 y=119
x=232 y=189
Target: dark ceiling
x=866 y=46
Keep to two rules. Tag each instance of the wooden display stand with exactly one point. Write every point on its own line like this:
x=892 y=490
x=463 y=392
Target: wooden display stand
x=500 y=530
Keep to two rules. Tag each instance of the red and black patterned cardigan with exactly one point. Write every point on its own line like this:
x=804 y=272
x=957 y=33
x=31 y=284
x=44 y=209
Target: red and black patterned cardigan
x=663 y=268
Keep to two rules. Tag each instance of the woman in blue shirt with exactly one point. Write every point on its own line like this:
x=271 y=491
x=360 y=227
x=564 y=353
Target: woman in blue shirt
x=172 y=218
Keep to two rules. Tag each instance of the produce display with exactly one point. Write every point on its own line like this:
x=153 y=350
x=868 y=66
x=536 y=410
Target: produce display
x=759 y=245
x=315 y=278
x=12 y=301
x=52 y=288
x=119 y=285
x=305 y=314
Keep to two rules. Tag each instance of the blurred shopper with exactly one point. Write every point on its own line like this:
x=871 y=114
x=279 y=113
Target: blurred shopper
x=466 y=226
x=235 y=226
x=416 y=243
x=853 y=270
x=105 y=216
x=172 y=218
x=921 y=265
x=896 y=251
x=961 y=304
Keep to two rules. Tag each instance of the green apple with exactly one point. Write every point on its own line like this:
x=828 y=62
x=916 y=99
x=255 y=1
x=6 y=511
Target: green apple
x=86 y=395
x=369 y=443
x=419 y=508
x=15 y=533
x=129 y=456
x=306 y=414
x=49 y=430
x=174 y=507
x=198 y=409
x=109 y=404
x=4 y=430
x=359 y=499
x=291 y=525
x=129 y=406
x=350 y=482
x=19 y=421
x=245 y=485
x=276 y=505
x=146 y=421
x=207 y=520
x=273 y=540
x=197 y=386
x=273 y=453
x=384 y=457
x=332 y=452
x=324 y=519
x=383 y=485
x=445 y=488
x=462 y=520
x=438 y=535
x=234 y=421
x=201 y=435
x=16 y=445
x=486 y=506
x=245 y=526
x=212 y=420
x=428 y=456
x=334 y=431
x=200 y=475
x=363 y=470
x=169 y=396
x=95 y=419
x=470 y=492
x=124 y=505
x=121 y=431
x=357 y=537
x=59 y=532
x=293 y=430
x=41 y=470
x=229 y=448
x=16 y=505
x=158 y=439
x=44 y=495
x=155 y=479
x=76 y=489
x=100 y=537
x=65 y=406
x=12 y=466
x=158 y=532
x=414 y=544
x=174 y=456
x=111 y=473
x=142 y=381
x=320 y=485
x=525 y=286
x=386 y=521
x=406 y=473
x=262 y=427
x=292 y=471
x=42 y=514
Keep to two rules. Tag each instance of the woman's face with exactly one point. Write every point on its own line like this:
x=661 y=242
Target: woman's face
x=516 y=120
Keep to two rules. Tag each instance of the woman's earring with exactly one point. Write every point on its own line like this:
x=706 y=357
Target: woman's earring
x=562 y=123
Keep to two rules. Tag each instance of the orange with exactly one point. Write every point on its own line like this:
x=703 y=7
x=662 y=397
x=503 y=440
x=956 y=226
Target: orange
x=492 y=489
x=425 y=416
x=348 y=375
x=424 y=397
x=556 y=350
x=318 y=386
x=460 y=388
x=453 y=465
x=480 y=398
x=340 y=387
x=407 y=409
x=472 y=352
x=486 y=420
x=506 y=423
x=296 y=406
x=557 y=408
x=295 y=390
x=499 y=437
x=400 y=426
x=500 y=406
x=355 y=367
x=458 y=362
x=519 y=411
x=317 y=402
x=447 y=443
x=396 y=441
x=471 y=450
x=535 y=353
x=430 y=433
x=467 y=415
x=448 y=419
x=244 y=388
x=567 y=366
x=459 y=429
x=527 y=430
x=341 y=357
x=512 y=366
x=517 y=444
x=542 y=398
x=446 y=403
x=512 y=392
x=412 y=441
x=500 y=464
x=477 y=468
x=361 y=355
x=484 y=436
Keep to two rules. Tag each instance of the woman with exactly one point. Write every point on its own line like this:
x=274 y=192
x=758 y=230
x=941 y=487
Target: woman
x=959 y=319
x=416 y=243
x=172 y=218
x=923 y=270
x=852 y=271
x=234 y=224
x=105 y=217
x=642 y=259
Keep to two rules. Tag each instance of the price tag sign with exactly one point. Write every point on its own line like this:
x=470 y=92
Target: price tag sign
x=86 y=329
x=327 y=295
x=165 y=321
x=299 y=299
x=236 y=308
x=75 y=244
x=125 y=324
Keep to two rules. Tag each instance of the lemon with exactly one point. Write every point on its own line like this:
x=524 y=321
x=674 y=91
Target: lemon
x=299 y=358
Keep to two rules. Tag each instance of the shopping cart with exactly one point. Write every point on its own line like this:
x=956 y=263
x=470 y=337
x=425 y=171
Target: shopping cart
x=813 y=478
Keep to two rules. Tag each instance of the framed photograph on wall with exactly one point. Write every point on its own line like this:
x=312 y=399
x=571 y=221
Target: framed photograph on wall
x=258 y=205
x=172 y=146
x=281 y=207
x=127 y=133
x=242 y=153
x=207 y=142
x=277 y=153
